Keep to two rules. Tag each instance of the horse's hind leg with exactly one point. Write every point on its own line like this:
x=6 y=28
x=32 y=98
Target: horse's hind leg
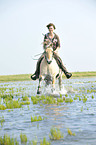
x=39 y=86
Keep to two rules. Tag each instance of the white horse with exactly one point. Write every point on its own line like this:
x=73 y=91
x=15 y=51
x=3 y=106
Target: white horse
x=49 y=70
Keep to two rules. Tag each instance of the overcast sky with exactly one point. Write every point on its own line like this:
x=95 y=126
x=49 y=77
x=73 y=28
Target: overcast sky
x=22 y=23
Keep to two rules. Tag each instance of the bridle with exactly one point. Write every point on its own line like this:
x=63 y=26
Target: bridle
x=49 y=62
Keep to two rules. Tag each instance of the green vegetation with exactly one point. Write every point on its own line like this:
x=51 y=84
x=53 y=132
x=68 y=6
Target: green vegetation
x=35 y=118
x=2 y=120
x=23 y=138
x=13 y=104
x=55 y=134
x=6 y=140
x=26 y=77
x=9 y=102
x=19 y=77
x=25 y=98
x=70 y=132
x=84 y=74
x=2 y=107
x=44 y=142
x=68 y=100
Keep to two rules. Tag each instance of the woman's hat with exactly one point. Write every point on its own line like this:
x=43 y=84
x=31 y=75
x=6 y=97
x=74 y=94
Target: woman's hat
x=51 y=24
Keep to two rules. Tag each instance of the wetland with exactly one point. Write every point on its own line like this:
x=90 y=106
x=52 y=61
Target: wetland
x=28 y=118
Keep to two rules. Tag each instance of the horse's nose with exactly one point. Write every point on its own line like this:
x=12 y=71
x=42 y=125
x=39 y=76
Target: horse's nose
x=49 y=61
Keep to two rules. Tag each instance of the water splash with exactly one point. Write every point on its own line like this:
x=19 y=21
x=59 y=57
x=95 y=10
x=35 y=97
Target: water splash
x=56 y=92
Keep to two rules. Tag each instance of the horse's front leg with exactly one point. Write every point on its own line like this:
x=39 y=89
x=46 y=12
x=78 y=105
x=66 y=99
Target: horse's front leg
x=53 y=84
x=39 y=86
x=60 y=82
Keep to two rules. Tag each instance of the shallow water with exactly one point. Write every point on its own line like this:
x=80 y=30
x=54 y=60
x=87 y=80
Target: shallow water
x=79 y=117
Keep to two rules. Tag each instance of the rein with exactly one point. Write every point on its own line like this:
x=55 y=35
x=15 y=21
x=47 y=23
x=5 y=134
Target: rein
x=36 y=56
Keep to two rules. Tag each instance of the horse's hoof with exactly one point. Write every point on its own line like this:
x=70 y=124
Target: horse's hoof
x=53 y=90
x=38 y=92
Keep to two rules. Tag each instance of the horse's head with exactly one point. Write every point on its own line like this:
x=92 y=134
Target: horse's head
x=49 y=55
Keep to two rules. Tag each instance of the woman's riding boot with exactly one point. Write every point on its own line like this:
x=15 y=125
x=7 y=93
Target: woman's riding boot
x=62 y=67
x=37 y=72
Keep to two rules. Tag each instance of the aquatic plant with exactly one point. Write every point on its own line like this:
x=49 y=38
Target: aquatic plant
x=35 y=118
x=2 y=107
x=23 y=138
x=81 y=108
x=34 y=142
x=46 y=99
x=44 y=142
x=66 y=95
x=49 y=100
x=2 y=120
x=42 y=97
x=34 y=99
x=70 y=132
x=25 y=98
x=9 y=97
x=55 y=134
x=84 y=99
x=25 y=103
x=68 y=100
x=79 y=98
x=92 y=97
x=13 y=104
x=6 y=140
x=75 y=98
x=60 y=100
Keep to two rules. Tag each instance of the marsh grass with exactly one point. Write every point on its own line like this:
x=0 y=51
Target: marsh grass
x=8 y=102
x=46 y=100
x=70 y=132
x=2 y=107
x=25 y=103
x=60 y=100
x=68 y=100
x=25 y=98
x=2 y=120
x=82 y=109
x=49 y=100
x=7 y=96
x=35 y=118
x=13 y=104
x=55 y=134
x=34 y=142
x=92 y=97
x=6 y=140
x=84 y=99
x=35 y=99
x=44 y=142
x=26 y=77
x=23 y=138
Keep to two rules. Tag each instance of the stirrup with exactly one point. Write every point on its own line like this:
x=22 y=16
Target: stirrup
x=33 y=77
x=68 y=75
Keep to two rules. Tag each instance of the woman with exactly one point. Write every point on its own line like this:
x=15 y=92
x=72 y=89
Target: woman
x=51 y=39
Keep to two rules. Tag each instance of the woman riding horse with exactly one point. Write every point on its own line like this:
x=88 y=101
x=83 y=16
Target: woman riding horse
x=53 y=40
